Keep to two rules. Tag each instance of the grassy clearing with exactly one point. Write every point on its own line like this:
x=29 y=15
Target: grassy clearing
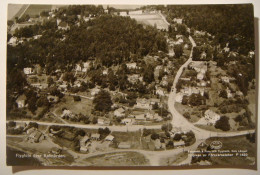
x=234 y=143
x=34 y=10
x=118 y=159
x=84 y=106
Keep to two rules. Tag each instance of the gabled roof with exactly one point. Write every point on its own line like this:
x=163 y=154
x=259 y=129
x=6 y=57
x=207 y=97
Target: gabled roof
x=21 y=97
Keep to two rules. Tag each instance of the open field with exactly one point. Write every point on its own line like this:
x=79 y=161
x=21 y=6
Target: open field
x=118 y=159
x=150 y=19
x=235 y=143
x=84 y=106
x=34 y=10
x=15 y=10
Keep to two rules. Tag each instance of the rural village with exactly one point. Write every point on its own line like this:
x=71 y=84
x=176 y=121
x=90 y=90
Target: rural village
x=125 y=101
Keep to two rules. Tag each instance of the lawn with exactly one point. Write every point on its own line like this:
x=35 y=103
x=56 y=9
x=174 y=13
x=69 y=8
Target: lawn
x=118 y=159
x=234 y=143
x=151 y=19
x=34 y=9
x=84 y=106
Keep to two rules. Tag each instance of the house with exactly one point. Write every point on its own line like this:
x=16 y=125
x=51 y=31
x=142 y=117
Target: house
x=131 y=65
x=83 y=141
x=109 y=138
x=84 y=144
x=21 y=101
x=229 y=94
x=101 y=121
x=119 y=112
x=157 y=118
x=56 y=150
x=157 y=144
x=179 y=143
x=94 y=91
x=177 y=20
x=154 y=100
x=105 y=72
x=78 y=67
x=28 y=70
x=30 y=130
x=95 y=136
x=66 y=113
x=211 y=117
x=160 y=91
x=12 y=41
x=203 y=55
x=35 y=137
x=63 y=26
x=86 y=66
x=128 y=121
x=200 y=76
x=124 y=145
x=226 y=79
x=143 y=104
x=178 y=97
x=134 y=78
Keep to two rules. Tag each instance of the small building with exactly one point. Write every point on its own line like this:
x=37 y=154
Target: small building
x=63 y=26
x=94 y=91
x=179 y=143
x=20 y=101
x=13 y=41
x=160 y=91
x=119 y=112
x=78 y=67
x=128 y=121
x=30 y=130
x=28 y=71
x=56 y=150
x=101 y=121
x=143 y=104
x=131 y=65
x=211 y=117
x=109 y=138
x=177 y=20
x=124 y=145
x=95 y=136
x=200 y=76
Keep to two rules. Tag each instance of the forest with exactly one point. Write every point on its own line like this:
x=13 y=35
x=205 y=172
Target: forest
x=228 y=23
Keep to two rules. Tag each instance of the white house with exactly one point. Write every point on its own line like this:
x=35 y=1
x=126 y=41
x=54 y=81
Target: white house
x=177 y=20
x=160 y=92
x=78 y=67
x=200 y=76
x=128 y=121
x=119 y=112
x=63 y=26
x=131 y=65
x=178 y=97
x=28 y=70
x=109 y=138
x=13 y=41
x=94 y=91
x=143 y=103
x=21 y=101
x=179 y=143
x=211 y=117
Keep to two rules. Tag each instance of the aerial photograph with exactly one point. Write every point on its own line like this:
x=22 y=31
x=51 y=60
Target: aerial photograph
x=169 y=86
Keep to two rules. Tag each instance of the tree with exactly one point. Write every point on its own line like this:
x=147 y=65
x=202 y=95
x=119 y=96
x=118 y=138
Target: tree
x=155 y=136
x=177 y=137
x=223 y=123
x=178 y=50
x=50 y=81
x=148 y=74
x=76 y=98
x=102 y=101
x=166 y=127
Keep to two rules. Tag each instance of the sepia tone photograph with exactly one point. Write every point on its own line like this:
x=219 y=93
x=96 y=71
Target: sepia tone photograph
x=170 y=86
